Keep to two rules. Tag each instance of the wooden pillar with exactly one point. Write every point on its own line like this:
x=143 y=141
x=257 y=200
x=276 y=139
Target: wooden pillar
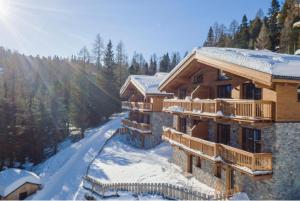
x=228 y=180
x=189 y=164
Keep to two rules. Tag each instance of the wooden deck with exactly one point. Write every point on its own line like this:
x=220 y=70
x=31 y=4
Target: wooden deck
x=223 y=108
x=238 y=158
x=133 y=125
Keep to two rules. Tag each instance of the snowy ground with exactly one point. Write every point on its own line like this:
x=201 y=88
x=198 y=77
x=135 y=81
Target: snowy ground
x=120 y=162
x=62 y=174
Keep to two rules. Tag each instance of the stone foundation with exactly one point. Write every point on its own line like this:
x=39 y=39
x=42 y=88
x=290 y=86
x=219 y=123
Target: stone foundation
x=205 y=174
x=145 y=140
x=282 y=139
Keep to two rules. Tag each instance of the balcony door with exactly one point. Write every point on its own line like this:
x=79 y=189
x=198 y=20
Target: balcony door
x=251 y=140
x=182 y=124
x=182 y=93
x=251 y=92
x=224 y=91
x=223 y=134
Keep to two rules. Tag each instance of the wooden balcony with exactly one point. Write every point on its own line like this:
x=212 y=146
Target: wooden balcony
x=142 y=106
x=133 y=125
x=223 y=108
x=240 y=159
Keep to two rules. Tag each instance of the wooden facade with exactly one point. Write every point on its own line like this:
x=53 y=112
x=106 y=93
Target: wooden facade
x=240 y=101
x=22 y=192
x=141 y=105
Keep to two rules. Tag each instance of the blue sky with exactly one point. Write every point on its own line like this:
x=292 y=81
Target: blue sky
x=62 y=27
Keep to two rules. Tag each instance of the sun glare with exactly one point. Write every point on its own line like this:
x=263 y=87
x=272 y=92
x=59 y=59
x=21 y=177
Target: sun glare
x=4 y=9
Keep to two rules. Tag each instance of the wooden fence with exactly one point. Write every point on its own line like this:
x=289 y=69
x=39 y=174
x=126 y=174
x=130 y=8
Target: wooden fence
x=165 y=190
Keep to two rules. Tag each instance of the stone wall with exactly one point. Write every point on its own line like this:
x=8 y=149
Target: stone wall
x=283 y=140
x=205 y=174
x=284 y=143
x=147 y=141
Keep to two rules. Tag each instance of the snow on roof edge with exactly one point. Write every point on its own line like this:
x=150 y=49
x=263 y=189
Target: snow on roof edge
x=276 y=56
x=146 y=84
x=14 y=178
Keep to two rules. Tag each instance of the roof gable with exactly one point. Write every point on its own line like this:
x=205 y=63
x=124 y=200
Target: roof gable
x=146 y=84
x=12 y=178
x=259 y=66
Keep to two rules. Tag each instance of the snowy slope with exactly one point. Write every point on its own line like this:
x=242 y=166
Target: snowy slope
x=61 y=175
x=119 y=162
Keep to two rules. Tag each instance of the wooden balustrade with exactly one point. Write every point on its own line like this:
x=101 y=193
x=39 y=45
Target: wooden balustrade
x=137 y=106
x=204 y=146
x=184 y=104
x=233 y=108
x=253 y=161
x=133 y=124
x=231 y=155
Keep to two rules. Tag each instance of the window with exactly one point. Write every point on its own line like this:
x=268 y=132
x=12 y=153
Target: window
x=218 y=171
x=298 y=92
x=182 y=93
x=197 y=79
x=222 y=75
x=251 y=92
x=223 y=134
x=199 y=162
x=23 y=195
x=251 y=140
x=224 y=91
x=182 y=123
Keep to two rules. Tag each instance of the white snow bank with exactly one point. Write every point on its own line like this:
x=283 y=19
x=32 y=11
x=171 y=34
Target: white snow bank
x=61 y=174
x=122 y=163
x=261 y=60
x=11 y=179
x=239 y=196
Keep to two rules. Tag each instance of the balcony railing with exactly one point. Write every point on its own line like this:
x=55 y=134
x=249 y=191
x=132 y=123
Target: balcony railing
x=220 y=152
x=133 y=125
x=137 y=106
x=232 y=108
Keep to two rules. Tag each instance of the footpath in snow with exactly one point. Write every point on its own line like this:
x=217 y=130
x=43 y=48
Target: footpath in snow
x=61 y=175
x=120 y=162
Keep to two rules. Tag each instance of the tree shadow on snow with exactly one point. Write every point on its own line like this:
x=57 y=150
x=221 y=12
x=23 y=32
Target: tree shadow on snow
x=113 y=159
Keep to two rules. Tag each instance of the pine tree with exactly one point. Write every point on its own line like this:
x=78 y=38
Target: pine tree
x=134 y=68
x=175 y=60
x=273 y=24
x=153 y=64
x=210 y=38
x=109 y=84
x=98 y=51
x=121 y=64
x=254 y=30
x=263 y=40
x=164 y=64
x=243 y=36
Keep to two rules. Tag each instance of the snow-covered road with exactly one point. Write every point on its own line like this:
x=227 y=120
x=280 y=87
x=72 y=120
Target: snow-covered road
x=62 y=174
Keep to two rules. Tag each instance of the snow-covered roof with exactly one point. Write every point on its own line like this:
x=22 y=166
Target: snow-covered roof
x=12 y=178
x=145 y=83
x=278 y=65
x=260 y=60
